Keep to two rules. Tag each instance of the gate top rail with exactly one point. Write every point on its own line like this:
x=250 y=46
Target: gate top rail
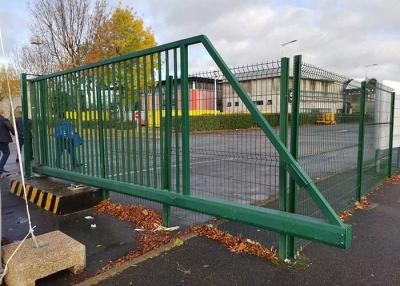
x=184 y=42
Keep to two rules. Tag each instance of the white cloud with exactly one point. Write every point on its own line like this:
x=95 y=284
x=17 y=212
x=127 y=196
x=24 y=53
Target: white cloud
x=342 y=36
x=339 y=35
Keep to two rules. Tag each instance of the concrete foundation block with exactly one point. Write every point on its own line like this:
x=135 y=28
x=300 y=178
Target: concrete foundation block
x=30 y=264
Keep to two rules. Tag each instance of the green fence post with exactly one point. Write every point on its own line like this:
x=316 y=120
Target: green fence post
x=27 y=129
x=361 y=138
x=294 y=145
x=391 y=135
x=283 y=133
x=185 y=120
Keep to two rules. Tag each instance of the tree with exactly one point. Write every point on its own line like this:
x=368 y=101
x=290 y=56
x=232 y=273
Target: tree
x=123 y=33
x=63 y=31
x=14 y=82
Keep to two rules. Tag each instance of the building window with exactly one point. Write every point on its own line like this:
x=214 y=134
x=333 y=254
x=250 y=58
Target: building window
x=237 y=103
x=229 y=104
x=269 y=102
x=259 y=102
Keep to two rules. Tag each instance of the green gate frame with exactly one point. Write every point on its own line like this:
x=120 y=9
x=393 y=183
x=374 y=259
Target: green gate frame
x=331 y=231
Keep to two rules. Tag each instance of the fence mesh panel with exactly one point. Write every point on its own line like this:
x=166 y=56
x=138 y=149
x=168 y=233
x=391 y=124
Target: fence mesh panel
x=328 y=137
x=376 y=141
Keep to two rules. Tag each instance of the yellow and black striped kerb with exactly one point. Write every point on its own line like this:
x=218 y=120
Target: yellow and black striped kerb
x=41 y=198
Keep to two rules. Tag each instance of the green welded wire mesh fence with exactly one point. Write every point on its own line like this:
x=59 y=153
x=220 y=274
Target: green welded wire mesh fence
x=377 y=135
x=328 y=137
x=150 y=124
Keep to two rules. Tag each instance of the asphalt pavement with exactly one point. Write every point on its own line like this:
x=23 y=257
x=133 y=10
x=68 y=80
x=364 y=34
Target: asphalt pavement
x=373 y=259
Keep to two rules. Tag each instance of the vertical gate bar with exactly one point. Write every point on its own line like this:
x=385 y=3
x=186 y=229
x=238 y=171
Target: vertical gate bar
x=104 y=118
x=70 y=115
x=52 y=91
x=43 y=122
x=133 y=108
x=27 y=127
x=47 y=118
x=294 y=145
x=283 y=123
x=389 y=174
x=64 y=108
x=185 y=120
x=146 y=117
x=177 y=161
x=90 y=116
x=153 y=117
x=60 y=117
x=121 y=122
x=95 y=122
x=168 y=130
x=139 y=100
x=166 y=214
x=73 y=116
x=87 y=122
x=127 y=126
x=54 y=108
x=77 y=114
x=115 y=117
x=168 y=140
x=35 y=124
x=160 y=111
x=81 y=110
x=360 y=156
x=100 y=85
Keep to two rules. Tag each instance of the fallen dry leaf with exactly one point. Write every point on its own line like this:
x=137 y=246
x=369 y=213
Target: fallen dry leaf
x=394 y=179
x=363 y=204
x=143 y=218
x=236 y=243
x=344 y=216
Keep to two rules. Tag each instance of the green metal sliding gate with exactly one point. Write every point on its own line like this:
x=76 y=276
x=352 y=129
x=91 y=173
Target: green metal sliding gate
x=133 y=115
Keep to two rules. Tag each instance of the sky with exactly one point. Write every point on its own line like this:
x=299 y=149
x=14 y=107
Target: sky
x=340 y=36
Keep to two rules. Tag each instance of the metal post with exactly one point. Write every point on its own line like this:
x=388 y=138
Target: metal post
x=185 y=120
x=27 y=128
x=294 y=145
x=283 y=121
x=391 y=135
x=360 y=157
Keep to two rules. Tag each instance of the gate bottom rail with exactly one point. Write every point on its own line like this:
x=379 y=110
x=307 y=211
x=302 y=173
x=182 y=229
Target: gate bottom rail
x=282 y=222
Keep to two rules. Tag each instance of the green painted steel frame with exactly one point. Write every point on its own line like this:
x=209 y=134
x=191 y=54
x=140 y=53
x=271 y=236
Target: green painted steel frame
x=333 y=232
x=27 y=131
x=283 y=127
x=275 y=220
x=392 y=104
x=294 y=144
x=360 y=156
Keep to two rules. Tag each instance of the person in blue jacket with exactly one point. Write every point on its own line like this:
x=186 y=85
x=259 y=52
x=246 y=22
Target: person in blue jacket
x=67 y=139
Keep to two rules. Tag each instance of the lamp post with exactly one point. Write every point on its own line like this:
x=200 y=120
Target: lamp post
x=366 y=69
x=36 y=41
x=285 y=44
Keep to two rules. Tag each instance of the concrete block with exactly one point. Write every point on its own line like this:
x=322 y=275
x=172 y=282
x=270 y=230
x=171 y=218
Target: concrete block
x=30 y=264
x=55 y=195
